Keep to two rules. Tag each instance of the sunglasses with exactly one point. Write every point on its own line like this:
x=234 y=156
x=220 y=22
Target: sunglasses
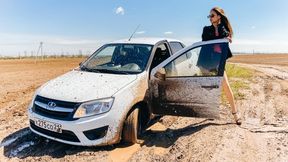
x=210 y=16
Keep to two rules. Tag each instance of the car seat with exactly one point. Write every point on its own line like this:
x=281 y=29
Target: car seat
x=160 y=56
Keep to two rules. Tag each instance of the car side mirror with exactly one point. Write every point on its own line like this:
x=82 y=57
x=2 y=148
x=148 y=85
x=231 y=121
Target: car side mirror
x=160 y=74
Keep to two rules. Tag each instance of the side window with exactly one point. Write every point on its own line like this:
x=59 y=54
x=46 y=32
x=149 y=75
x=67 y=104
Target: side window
x=206 y=60
x=161 y=54
x=175 y=46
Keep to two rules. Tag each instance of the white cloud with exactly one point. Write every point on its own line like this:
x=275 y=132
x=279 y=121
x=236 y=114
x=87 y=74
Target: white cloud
x=141 y=32
x=120 y=11
x=168 y=33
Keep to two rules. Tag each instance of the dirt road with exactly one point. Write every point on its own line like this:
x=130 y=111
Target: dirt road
x=263 y=136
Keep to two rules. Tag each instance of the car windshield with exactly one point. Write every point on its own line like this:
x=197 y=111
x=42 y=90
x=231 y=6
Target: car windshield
x=119 y=58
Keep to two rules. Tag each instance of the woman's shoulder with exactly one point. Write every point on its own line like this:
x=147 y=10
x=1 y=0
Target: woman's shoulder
x=207 y=33
x=208 y=27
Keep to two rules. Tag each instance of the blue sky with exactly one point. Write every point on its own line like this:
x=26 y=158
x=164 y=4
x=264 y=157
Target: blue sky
x=67 y=26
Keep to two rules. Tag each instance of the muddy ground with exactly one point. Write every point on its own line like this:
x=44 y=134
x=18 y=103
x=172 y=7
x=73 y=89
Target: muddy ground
x=263 y=136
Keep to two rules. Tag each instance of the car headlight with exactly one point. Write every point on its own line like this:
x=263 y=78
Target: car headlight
x=94 y=107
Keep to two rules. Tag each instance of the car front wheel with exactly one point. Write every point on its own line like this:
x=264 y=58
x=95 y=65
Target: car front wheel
x=132 y=127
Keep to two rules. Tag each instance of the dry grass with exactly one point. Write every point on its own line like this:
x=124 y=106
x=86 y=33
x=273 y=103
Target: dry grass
x=237 y=78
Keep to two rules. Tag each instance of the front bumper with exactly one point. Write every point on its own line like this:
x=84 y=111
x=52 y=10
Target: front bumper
x=91 y=131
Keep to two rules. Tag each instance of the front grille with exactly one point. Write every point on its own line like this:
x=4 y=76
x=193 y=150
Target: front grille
x=55 y=114
x=49 y=113
x=65 y=104
x=65 y=135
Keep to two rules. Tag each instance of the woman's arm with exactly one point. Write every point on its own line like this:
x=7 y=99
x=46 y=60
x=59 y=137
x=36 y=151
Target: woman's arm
x=225 y=33
x=205 y=35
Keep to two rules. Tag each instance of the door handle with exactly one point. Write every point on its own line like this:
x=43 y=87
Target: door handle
x=210 y=87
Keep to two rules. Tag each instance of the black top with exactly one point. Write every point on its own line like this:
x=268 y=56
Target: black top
x=209 y=34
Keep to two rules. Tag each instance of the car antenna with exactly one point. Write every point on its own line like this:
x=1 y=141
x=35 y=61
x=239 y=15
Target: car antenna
x=134 y=32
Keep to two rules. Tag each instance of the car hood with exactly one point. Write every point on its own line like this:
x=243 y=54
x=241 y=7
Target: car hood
x=80 y=86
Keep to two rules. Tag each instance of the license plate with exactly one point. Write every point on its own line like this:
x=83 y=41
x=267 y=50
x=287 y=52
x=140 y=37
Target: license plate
x=48 y=125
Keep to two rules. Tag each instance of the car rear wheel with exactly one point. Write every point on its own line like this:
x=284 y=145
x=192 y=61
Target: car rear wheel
x=132 y=127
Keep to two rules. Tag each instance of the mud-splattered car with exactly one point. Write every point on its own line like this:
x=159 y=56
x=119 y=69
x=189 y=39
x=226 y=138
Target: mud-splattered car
x=114 y=93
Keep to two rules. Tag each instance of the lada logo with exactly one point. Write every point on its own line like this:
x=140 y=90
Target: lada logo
x=51 y=105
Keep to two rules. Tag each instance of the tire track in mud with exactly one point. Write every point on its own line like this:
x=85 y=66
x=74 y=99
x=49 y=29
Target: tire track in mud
x=24 y=144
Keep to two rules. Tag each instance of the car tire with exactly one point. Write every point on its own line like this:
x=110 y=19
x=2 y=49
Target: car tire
x=132 y=127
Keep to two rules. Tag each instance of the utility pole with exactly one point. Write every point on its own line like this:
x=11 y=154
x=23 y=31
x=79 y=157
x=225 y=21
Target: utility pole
x=40 y=49
x=41 y=45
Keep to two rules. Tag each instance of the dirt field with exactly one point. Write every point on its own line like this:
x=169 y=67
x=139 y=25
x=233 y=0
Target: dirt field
x=263 y=136
x=267 y=59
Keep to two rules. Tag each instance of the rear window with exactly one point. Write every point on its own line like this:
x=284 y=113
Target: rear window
x=175 y=46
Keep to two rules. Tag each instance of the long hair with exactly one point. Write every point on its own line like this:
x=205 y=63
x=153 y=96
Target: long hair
x=224 y=19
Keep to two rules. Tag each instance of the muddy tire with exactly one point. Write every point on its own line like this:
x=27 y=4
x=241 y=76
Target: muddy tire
x=132 y=127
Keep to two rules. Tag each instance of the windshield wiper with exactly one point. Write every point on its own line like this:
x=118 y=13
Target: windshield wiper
x=84 y=68
x=111 y=71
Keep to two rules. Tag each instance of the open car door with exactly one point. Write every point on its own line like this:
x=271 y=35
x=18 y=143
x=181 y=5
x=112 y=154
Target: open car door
x=189 y=82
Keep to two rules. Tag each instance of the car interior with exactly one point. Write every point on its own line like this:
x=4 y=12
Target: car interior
x=131 y=58
x=160 y=55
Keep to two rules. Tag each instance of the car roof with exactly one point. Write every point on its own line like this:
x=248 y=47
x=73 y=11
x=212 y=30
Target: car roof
x=145 y=40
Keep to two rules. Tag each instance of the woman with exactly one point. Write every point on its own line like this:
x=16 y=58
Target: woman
x=221 y=28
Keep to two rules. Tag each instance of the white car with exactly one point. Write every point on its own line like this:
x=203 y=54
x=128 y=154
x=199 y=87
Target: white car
x=115 y=92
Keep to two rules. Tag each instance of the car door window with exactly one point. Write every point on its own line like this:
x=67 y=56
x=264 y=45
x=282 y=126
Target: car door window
x=175 y=46
x=200 y=61
x=161 y=54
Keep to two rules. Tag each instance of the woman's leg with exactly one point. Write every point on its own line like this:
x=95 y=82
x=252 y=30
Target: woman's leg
x=229 y=94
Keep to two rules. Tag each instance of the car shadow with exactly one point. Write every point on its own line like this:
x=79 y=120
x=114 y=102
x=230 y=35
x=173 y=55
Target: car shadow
x=166 y=138
x=24 y=143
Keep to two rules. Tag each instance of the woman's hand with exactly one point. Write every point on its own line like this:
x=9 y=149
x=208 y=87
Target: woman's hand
x=230 y=39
